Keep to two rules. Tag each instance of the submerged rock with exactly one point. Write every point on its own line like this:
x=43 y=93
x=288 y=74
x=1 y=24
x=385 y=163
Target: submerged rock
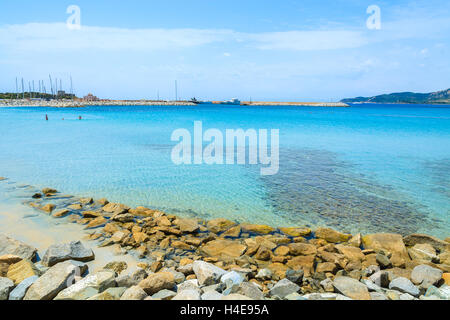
x=67 y=251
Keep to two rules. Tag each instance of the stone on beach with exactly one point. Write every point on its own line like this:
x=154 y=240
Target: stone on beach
x=116 y=208
x=223 y=248
x=6 y=286
x=48 y=208
x=331 y=235
x=99 y=281
x=22 y=270
x=425 y=275
x=56 y=279
x=17 y=248
x=207 y=273
x=296 y=232
x=134 y=293
x=417 y=238
x=19 y=292
x=388 y=242
x=97 y=222
x=187 y=295
x=351 y=288
x=67 y=251
x=61 y=213
x=404 y=285
x=219 y=225
x=283 y=288
x=257 y=228
x=157 y=281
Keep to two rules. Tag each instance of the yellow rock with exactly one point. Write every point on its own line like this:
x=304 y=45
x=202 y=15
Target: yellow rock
x=140 y=237
x=60 y=213
x=21 y=270
x=10 y=259
x=219 y=225
x=90 y=214
x=110 y=228
x=185 y=261
x=257 y=228
x=296 y=232
x=388 y=242
x=350 y=252
x=181 y=245
x=446 y=277
x=302 y=262
x=279 y=269
x=233 y=232
x=304 y=249
x=97 y=222
x=223 y=248
x=331 y=235
x=48 y=208
x=282 y=251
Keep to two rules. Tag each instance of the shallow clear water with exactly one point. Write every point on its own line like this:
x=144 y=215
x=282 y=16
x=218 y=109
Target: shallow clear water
x=365 y=168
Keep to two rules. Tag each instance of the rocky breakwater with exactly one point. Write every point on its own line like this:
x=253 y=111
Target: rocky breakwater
x=192 y=259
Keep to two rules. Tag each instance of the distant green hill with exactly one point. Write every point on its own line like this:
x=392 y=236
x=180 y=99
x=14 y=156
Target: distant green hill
x=439 y=97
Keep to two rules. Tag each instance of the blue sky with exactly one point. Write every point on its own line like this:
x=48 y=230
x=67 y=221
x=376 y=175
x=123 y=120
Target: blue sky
x=266 y=50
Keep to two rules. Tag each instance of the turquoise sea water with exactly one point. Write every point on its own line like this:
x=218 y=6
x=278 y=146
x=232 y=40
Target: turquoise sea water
x=368 y=168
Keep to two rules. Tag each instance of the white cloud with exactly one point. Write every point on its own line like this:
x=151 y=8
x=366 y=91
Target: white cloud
x=56 y=36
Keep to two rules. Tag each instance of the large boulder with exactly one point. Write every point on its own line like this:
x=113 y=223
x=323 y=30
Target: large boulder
x=219 y=225
x=251 y=290
x=206 y=273
x=303 y=249
x=19 y=292
x=157 y=281
x=423 y=252
x=351 y=288
x=331 y=235
x=223 y=249
x=116 y=208
x=67 y=251
x=99 y=281
x=404 y=285
x=283 y=288
x=187 y=225
x=54 y=280
x=134 y=293
x=388 y=242
x=417 y=238
x=6 y=286
x=17 y=248
x=22 y=270
x=131 y=277
x=187 y=295
x=426 y=276
x=257 y=228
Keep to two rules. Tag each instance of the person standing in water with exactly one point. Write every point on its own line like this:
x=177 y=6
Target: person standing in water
x=46 y=117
